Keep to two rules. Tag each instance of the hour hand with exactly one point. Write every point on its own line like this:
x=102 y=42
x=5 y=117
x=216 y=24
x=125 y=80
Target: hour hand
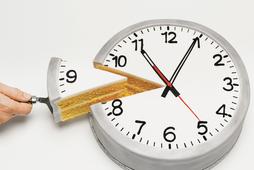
x=159 y=73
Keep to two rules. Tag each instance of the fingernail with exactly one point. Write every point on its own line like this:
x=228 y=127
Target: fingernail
x=26 y=95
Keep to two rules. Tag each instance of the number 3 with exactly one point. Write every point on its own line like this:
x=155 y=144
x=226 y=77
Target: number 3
x=231 y=86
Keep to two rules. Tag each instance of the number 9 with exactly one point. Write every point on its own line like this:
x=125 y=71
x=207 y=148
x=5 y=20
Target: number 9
x=71 y=76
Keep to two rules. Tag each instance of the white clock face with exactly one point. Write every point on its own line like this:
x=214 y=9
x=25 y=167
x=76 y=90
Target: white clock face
x=200 y=94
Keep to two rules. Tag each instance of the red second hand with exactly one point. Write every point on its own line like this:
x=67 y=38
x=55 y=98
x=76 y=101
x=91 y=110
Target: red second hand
x=189 y=107
x=170 y=85
x=165 y=80
x=162 y=75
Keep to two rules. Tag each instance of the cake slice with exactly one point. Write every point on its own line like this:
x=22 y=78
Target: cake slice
x=79 y=104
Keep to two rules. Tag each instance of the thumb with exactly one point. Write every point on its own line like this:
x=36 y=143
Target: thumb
x=14 y=93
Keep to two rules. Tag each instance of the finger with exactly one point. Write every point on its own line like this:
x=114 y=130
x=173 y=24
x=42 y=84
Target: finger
x=4 y=117
x=5 y=109
x=14 y=93
x=14 y=106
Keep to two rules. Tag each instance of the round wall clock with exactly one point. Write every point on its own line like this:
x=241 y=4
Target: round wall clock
x=184 y=103
x=194 y=119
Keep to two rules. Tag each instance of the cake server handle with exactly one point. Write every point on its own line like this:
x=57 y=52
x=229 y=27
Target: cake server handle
x=45 y=100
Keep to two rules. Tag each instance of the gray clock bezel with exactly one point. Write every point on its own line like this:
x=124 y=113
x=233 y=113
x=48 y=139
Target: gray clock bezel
x=137 y=156
x=52 y=86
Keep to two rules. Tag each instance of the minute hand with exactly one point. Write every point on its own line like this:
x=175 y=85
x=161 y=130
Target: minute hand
x=166 y=81
x=180 y=65
x=185 y=57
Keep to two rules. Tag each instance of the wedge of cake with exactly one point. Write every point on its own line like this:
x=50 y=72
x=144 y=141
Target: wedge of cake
x=79 y=104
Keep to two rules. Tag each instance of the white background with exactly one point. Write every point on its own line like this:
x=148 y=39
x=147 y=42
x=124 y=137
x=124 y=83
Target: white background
x=32 y=31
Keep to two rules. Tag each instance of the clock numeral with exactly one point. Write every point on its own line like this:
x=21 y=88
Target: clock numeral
x=222 y=111
x=71 y=76
x=229 y=84
x=120 y=61
x=142 y=124
x=202 y=126
x=169 y=37
x=139 y=44
x=169 y=134
x=117 y=107
x=219 y=60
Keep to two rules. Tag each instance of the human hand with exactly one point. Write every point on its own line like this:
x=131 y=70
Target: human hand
x=13 y=103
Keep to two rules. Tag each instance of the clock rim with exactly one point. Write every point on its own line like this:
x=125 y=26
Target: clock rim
x=198 y=150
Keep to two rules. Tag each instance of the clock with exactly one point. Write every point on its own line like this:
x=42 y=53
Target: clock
x=176 y=96
x=194 y=119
